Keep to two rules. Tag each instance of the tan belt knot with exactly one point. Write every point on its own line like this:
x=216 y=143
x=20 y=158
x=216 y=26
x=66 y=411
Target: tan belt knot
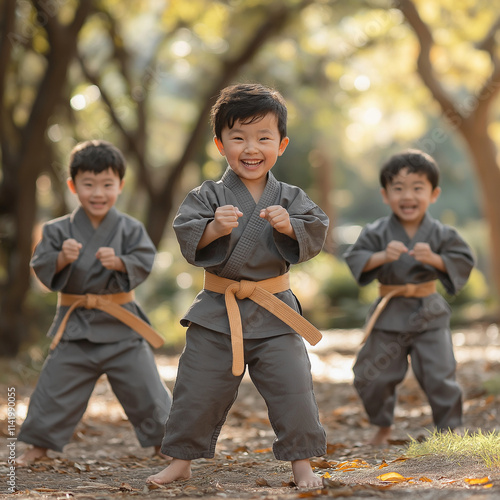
x=90 y=301
x=245 y=289
x=410 y=289
x=387 y=292
x=262 y=293
x=111 y=304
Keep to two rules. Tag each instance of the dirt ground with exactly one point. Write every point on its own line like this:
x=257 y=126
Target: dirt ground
x=104 y=460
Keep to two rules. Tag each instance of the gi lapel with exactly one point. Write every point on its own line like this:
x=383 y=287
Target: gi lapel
x=254 y=224
x=423 y=231
x=397 y=231
x=91 y=239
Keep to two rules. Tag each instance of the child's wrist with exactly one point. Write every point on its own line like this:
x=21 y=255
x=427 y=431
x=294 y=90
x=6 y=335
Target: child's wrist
x=119 y=265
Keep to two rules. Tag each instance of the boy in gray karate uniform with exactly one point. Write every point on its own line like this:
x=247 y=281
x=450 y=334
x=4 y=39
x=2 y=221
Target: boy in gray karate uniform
x=407 y=252
x=94 y=258
x=246 y=230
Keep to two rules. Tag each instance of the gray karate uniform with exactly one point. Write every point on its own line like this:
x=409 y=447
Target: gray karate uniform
x=276 y=356
x=410 y=326
x=95 y=342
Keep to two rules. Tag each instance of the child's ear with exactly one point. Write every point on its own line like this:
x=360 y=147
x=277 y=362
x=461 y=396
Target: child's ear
x=220 y=146
x=283 y=144
x=435 y=194
x=383 y=192
x=71 y=185
x=122 y=183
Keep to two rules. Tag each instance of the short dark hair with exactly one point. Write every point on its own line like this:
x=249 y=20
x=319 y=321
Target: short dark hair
x=96 y=156
x=416 y=161
x=247 y=102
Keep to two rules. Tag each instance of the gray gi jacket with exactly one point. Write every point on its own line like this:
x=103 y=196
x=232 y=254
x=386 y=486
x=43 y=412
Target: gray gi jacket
x=412 y=314
x=253 y=251
x=131 y=243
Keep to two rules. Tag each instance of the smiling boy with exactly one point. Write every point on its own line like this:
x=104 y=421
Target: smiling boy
x=94 y=258
x=246 y=230
x=407 y=252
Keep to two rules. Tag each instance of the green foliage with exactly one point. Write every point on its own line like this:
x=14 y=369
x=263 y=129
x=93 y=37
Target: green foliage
x=476 y=445
x=473 y=302
x=492 y=385
x=328 y=293
x=168 y=292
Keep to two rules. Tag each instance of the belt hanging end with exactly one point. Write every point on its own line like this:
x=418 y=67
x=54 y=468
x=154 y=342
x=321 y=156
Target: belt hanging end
x=237 y=369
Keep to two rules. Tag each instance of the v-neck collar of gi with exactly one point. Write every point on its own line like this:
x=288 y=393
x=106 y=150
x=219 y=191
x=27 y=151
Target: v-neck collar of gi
x=401 y=235
x=231 y=180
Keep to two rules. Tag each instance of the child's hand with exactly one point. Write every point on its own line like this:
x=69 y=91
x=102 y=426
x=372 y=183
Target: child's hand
x=279 y=219
x=394 y=250
x=109 y=260
x=70 y=250
x=423 y=253
x=226 y=219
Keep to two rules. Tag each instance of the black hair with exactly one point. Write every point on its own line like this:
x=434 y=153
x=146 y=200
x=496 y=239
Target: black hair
x=416 y=161
x=96 y=156
x=248 y=103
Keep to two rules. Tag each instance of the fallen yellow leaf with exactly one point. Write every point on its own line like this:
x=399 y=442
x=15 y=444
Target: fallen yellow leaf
x=425 y=479
x=481 y=480
x=393 y=477
x=350 y=465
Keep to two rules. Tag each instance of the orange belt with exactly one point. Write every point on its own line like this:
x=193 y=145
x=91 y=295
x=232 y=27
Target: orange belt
x=387 y=292
x=262 y=293
x=110 y=304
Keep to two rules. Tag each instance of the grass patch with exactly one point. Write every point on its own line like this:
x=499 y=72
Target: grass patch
x=492 y=385
x=476 y=445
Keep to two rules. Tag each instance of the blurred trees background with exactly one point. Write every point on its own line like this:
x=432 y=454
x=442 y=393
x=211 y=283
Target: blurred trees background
x=363 y=79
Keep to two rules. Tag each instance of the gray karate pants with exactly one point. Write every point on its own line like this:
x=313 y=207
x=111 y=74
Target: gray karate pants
x=205 y=390
x=382 y=364
x=67 y=380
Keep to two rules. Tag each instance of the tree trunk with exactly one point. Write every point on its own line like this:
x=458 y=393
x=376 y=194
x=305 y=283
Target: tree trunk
x=483 y=152
x=472 y=126
x=25 y=162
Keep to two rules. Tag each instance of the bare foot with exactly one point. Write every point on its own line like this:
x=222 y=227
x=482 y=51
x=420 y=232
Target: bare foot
x=30 y=455
x=158 y=453
x=178 y=470
x=304 y=476
x=382 y=436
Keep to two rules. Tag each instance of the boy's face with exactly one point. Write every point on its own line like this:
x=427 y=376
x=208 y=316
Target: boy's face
x=251 y=149
x=97 y=192
x=409 y=196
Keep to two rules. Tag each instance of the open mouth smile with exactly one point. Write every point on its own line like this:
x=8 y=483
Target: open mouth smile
x=251 y=163
x=408 y=208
